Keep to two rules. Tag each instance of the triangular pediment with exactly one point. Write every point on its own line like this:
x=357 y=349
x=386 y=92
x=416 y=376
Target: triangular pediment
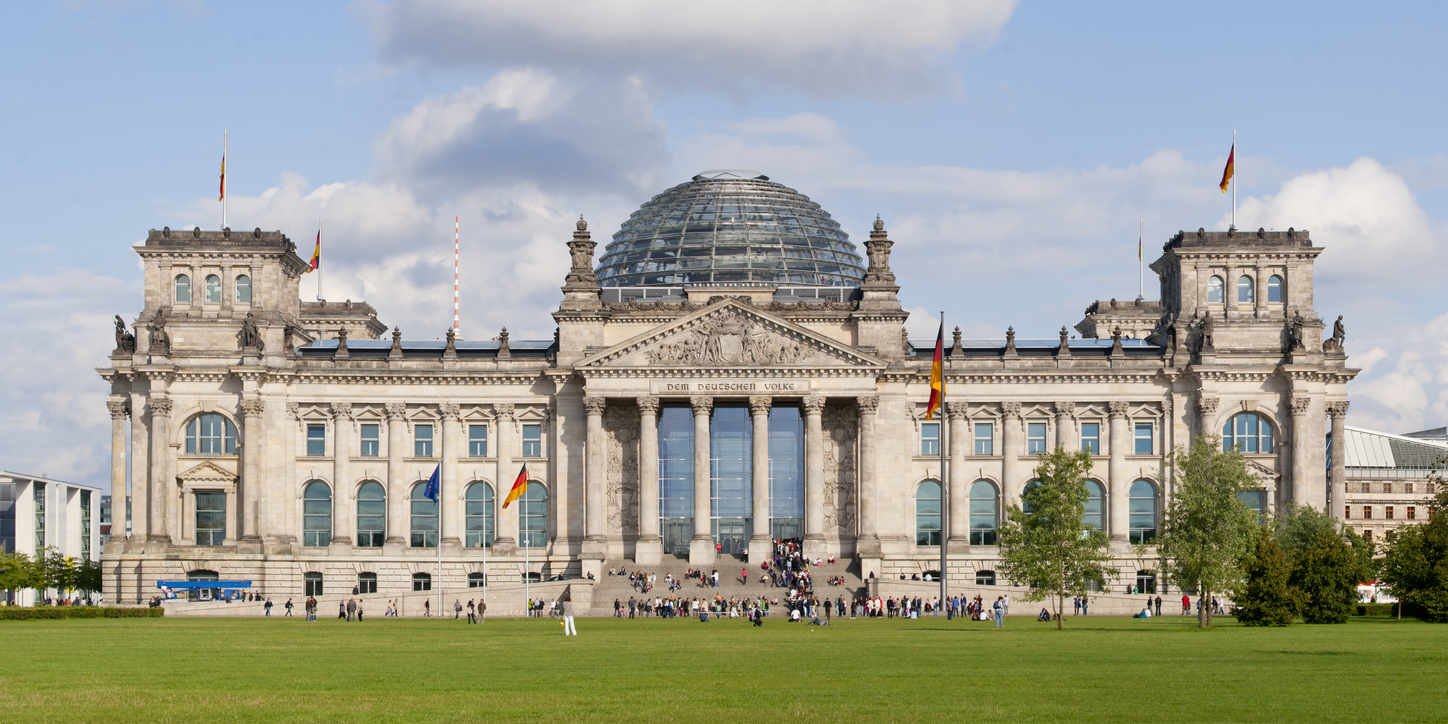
x=207 y=472
x=730 y=334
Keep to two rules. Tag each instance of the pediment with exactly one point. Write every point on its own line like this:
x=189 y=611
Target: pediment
x=207 y=472
x=730 y=334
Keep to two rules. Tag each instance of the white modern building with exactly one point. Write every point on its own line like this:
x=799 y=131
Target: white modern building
x=38 y=515
x=1389 y=478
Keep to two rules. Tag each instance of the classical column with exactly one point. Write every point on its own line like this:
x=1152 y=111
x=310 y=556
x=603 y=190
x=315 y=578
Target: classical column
x=649 y=549
x=1011 y=454
x=1206 y=414
x=451 y=521
x=160 y=459
x=1066 y=426
x=248 y=489
x=140 y=472
x=1300 y=492
x=869 y=541
x=118 y=409
x=1338 y=484
x=343 y=508
x=1118 y=490
x=760 y=539
x=396 y=486
x=506 y=539
x=959 y=497
x=814 y=477
x=595 y=481
x=701 y=546
x=1259 y=295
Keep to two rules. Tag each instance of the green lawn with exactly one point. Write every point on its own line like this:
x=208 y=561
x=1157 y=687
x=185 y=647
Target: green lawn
x=1108 y=669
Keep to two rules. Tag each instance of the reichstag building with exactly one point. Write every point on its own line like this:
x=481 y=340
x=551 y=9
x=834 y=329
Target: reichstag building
x=729 y=370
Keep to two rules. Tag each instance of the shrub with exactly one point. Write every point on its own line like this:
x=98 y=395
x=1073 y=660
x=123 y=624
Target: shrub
x=1377 y=609
x=25 y=613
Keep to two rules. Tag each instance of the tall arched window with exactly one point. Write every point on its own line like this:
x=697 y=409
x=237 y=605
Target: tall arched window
x=478 y=513
x=316 y=514
x=1142 y=507
x=927 y=514
x=210 y=433
x=183 y=289
x=533 y=516
x=243 y=289
x=371 y=514
x=984 y=507
x=1249 y=432
x=424 y=518
x=213 y=289
x=1244 y=288
x=1093 y=517
x=1274 y=288
x=1214 y=289
x=1030 y=485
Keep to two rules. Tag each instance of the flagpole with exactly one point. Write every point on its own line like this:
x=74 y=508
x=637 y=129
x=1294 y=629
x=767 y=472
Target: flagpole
x=319 y=258
x=445 y=451
x=944 y=485
x=527 y=596
x=1234 y=178
x=225 y=151
x=1140 y=268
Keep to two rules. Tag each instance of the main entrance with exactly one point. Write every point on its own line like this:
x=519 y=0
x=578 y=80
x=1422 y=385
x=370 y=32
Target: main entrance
x=676 y=533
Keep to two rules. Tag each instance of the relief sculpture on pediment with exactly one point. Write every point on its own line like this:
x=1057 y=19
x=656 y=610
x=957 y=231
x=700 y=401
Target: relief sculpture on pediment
x=729 y=338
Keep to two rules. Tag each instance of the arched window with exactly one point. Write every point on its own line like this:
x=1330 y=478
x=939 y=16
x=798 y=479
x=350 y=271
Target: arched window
x=985 y=578
x=533 y=516
x=1274 y=288
x=476 y=580
x=312 y=583
x=1244 y=288
x=984 y=508
x=1093 y=517
x=316 y=514
x=371 y=514
x=213 y=289
x=210 y=433
x=1256 y=501
x=424 y=518
x=421 y=582
x=1030 y=485
x=1249 y=432
x=1142 y=507
x=183 y=289
x=243 y=289
x=927 y=514
x=366 y=582
x=478 y=512
x=1214 y=289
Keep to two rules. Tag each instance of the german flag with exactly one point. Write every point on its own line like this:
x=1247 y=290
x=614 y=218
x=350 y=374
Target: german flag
x=937 y=374
x=222 y=195
x=520 y=484
x=316 y=262
x=1227 y=172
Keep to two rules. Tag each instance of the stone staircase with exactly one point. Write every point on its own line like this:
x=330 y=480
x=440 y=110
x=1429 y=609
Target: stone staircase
x=507 y=600
x=610 y=588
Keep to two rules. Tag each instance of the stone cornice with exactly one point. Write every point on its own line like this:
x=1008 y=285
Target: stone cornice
x=1041 y=377
x=728 y=372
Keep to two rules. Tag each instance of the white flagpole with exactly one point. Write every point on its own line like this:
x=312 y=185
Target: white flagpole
x=485 y=543
x=526 y=564
x=1140 y=268
x=225 y=151
x=1234 y=178
x=319 y=258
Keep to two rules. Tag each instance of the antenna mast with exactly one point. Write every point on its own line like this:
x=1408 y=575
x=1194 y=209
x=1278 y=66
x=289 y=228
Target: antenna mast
x=457 y=273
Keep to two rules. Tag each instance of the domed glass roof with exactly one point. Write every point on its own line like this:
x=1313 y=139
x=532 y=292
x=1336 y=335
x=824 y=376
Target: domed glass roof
x=730 y=226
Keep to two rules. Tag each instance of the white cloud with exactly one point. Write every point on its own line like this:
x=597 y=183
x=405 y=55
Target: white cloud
x=847 y=47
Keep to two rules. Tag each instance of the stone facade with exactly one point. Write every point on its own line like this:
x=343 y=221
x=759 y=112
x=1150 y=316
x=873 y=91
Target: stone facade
x=304 y=402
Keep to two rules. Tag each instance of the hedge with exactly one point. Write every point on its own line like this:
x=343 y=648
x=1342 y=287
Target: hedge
x=1377 y=609
x=26 y=613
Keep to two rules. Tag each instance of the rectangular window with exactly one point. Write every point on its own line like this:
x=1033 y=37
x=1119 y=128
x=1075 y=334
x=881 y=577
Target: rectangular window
x=1412 y=512
x=85 y=525
x=984 y=433
x=422 y=441
x=1091 y=437
x=1407 y=487
x=316 y=440
x=1144 y=438
x=1347 y=512
x=312 y=584
x=1388 y=513
x=1387 y=487
x=930 y=438
x=1367 y=512
x=1367 y=487
x=532 y=441
x=477 y=441
x=210 y=518
x=1368 y=534
x=39 y=496
x=371 y=440
x=366 y=583
x=1035 y=438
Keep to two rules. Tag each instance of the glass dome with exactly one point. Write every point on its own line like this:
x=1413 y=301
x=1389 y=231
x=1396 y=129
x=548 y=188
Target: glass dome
x=730 y=227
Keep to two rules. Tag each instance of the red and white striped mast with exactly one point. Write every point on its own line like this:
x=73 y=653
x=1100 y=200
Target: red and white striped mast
x=457 y=275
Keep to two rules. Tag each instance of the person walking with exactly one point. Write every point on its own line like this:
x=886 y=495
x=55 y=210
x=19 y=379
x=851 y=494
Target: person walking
x=268 y=606
x=359 y=610
x=289 y=608
x=427 y=608
x=1158 y=606
x=1076 y=606
x=342 y=610
x=568 y=629
x=1085 y=602
x=482 y=608
x=472 y=612
x=457 y=609
x=351 y=608
x=1000 y=612
x=1186 y=604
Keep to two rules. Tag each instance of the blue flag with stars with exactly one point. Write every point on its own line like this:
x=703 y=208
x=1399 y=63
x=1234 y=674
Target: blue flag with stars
x=433 y=483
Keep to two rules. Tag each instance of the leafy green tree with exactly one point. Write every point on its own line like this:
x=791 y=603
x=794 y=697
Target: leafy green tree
x=15 y=572
x=1046 y=543
x=1415 y=561
x=1208 y=532
x=1327 y=562
x=88 y=576
x=1267 y=598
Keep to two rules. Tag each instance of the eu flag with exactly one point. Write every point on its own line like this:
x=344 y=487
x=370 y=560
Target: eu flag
x=430 y=492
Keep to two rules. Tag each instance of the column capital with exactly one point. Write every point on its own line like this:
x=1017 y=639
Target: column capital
x=1299 y=405
x=760 y=404
x=396 y=410
x=1118 y=408
x=118 y=408
x=814 y=404
x=956 y=410
x=868 y=404
x=595 y=405
x=702 y=404
x=1337 y=409
x=503 y=410
x=648 y=404
x=341 y=410
x=1011 y=408
x=1068 y=408
x=1208 y=405
x=160 y=405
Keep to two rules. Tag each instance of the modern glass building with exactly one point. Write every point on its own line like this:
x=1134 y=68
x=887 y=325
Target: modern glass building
x=40 y=515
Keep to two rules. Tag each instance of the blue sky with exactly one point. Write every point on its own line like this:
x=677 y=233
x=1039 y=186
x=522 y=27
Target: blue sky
x=1010 y=148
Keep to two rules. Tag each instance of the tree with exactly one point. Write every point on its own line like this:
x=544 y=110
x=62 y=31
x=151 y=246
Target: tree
x=1208 y=532
x=1415 y=561
x=1327 y=563
x=88 y=576
x=1267 y=598
x=14 y=572
x=1047 y=544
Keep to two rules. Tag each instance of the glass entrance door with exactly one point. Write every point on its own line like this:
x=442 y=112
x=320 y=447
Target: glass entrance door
x=676 y=533
x=732 y=535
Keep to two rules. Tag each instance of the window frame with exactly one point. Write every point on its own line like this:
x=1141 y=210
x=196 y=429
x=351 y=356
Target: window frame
x=180 y=282
x=533 y=508
x=376 y=440
x=1137 y=438
x=536 y=441
x=421 y=582
x=483 y=510
x=243 y=281
x=214 y=535
x=1091 y=443
x=929 y=446
x=925 y=535
x=477 y=440
x=209 y=284
x=1036 y=445
x=988 y=439
x=985 y=577
x=366 y=582
x=379 y=535
x=1216 y=284
x=1136 y=534
x=1249 y=291
x=1095 y=491
x=199 y=441
x=313 y=583
x=422 y=537
x=422 y=445
x=312 y=536
x=316 y=440
x=1264 y=435
x=981 y=535
x=1275 y=284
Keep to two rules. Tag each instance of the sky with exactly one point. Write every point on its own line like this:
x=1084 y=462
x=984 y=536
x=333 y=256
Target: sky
x=1010 y=147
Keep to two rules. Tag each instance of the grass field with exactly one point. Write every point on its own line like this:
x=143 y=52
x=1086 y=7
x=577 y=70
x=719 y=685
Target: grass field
x=1099 y=669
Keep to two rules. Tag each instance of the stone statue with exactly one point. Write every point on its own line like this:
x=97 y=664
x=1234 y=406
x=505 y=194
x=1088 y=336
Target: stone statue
x=288 y=346
x=1209 y=332
x=126 y=341
x=160 y=341
x=1296 y=333
x=249 y=336
x=504 y=350
x=1339 y=334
